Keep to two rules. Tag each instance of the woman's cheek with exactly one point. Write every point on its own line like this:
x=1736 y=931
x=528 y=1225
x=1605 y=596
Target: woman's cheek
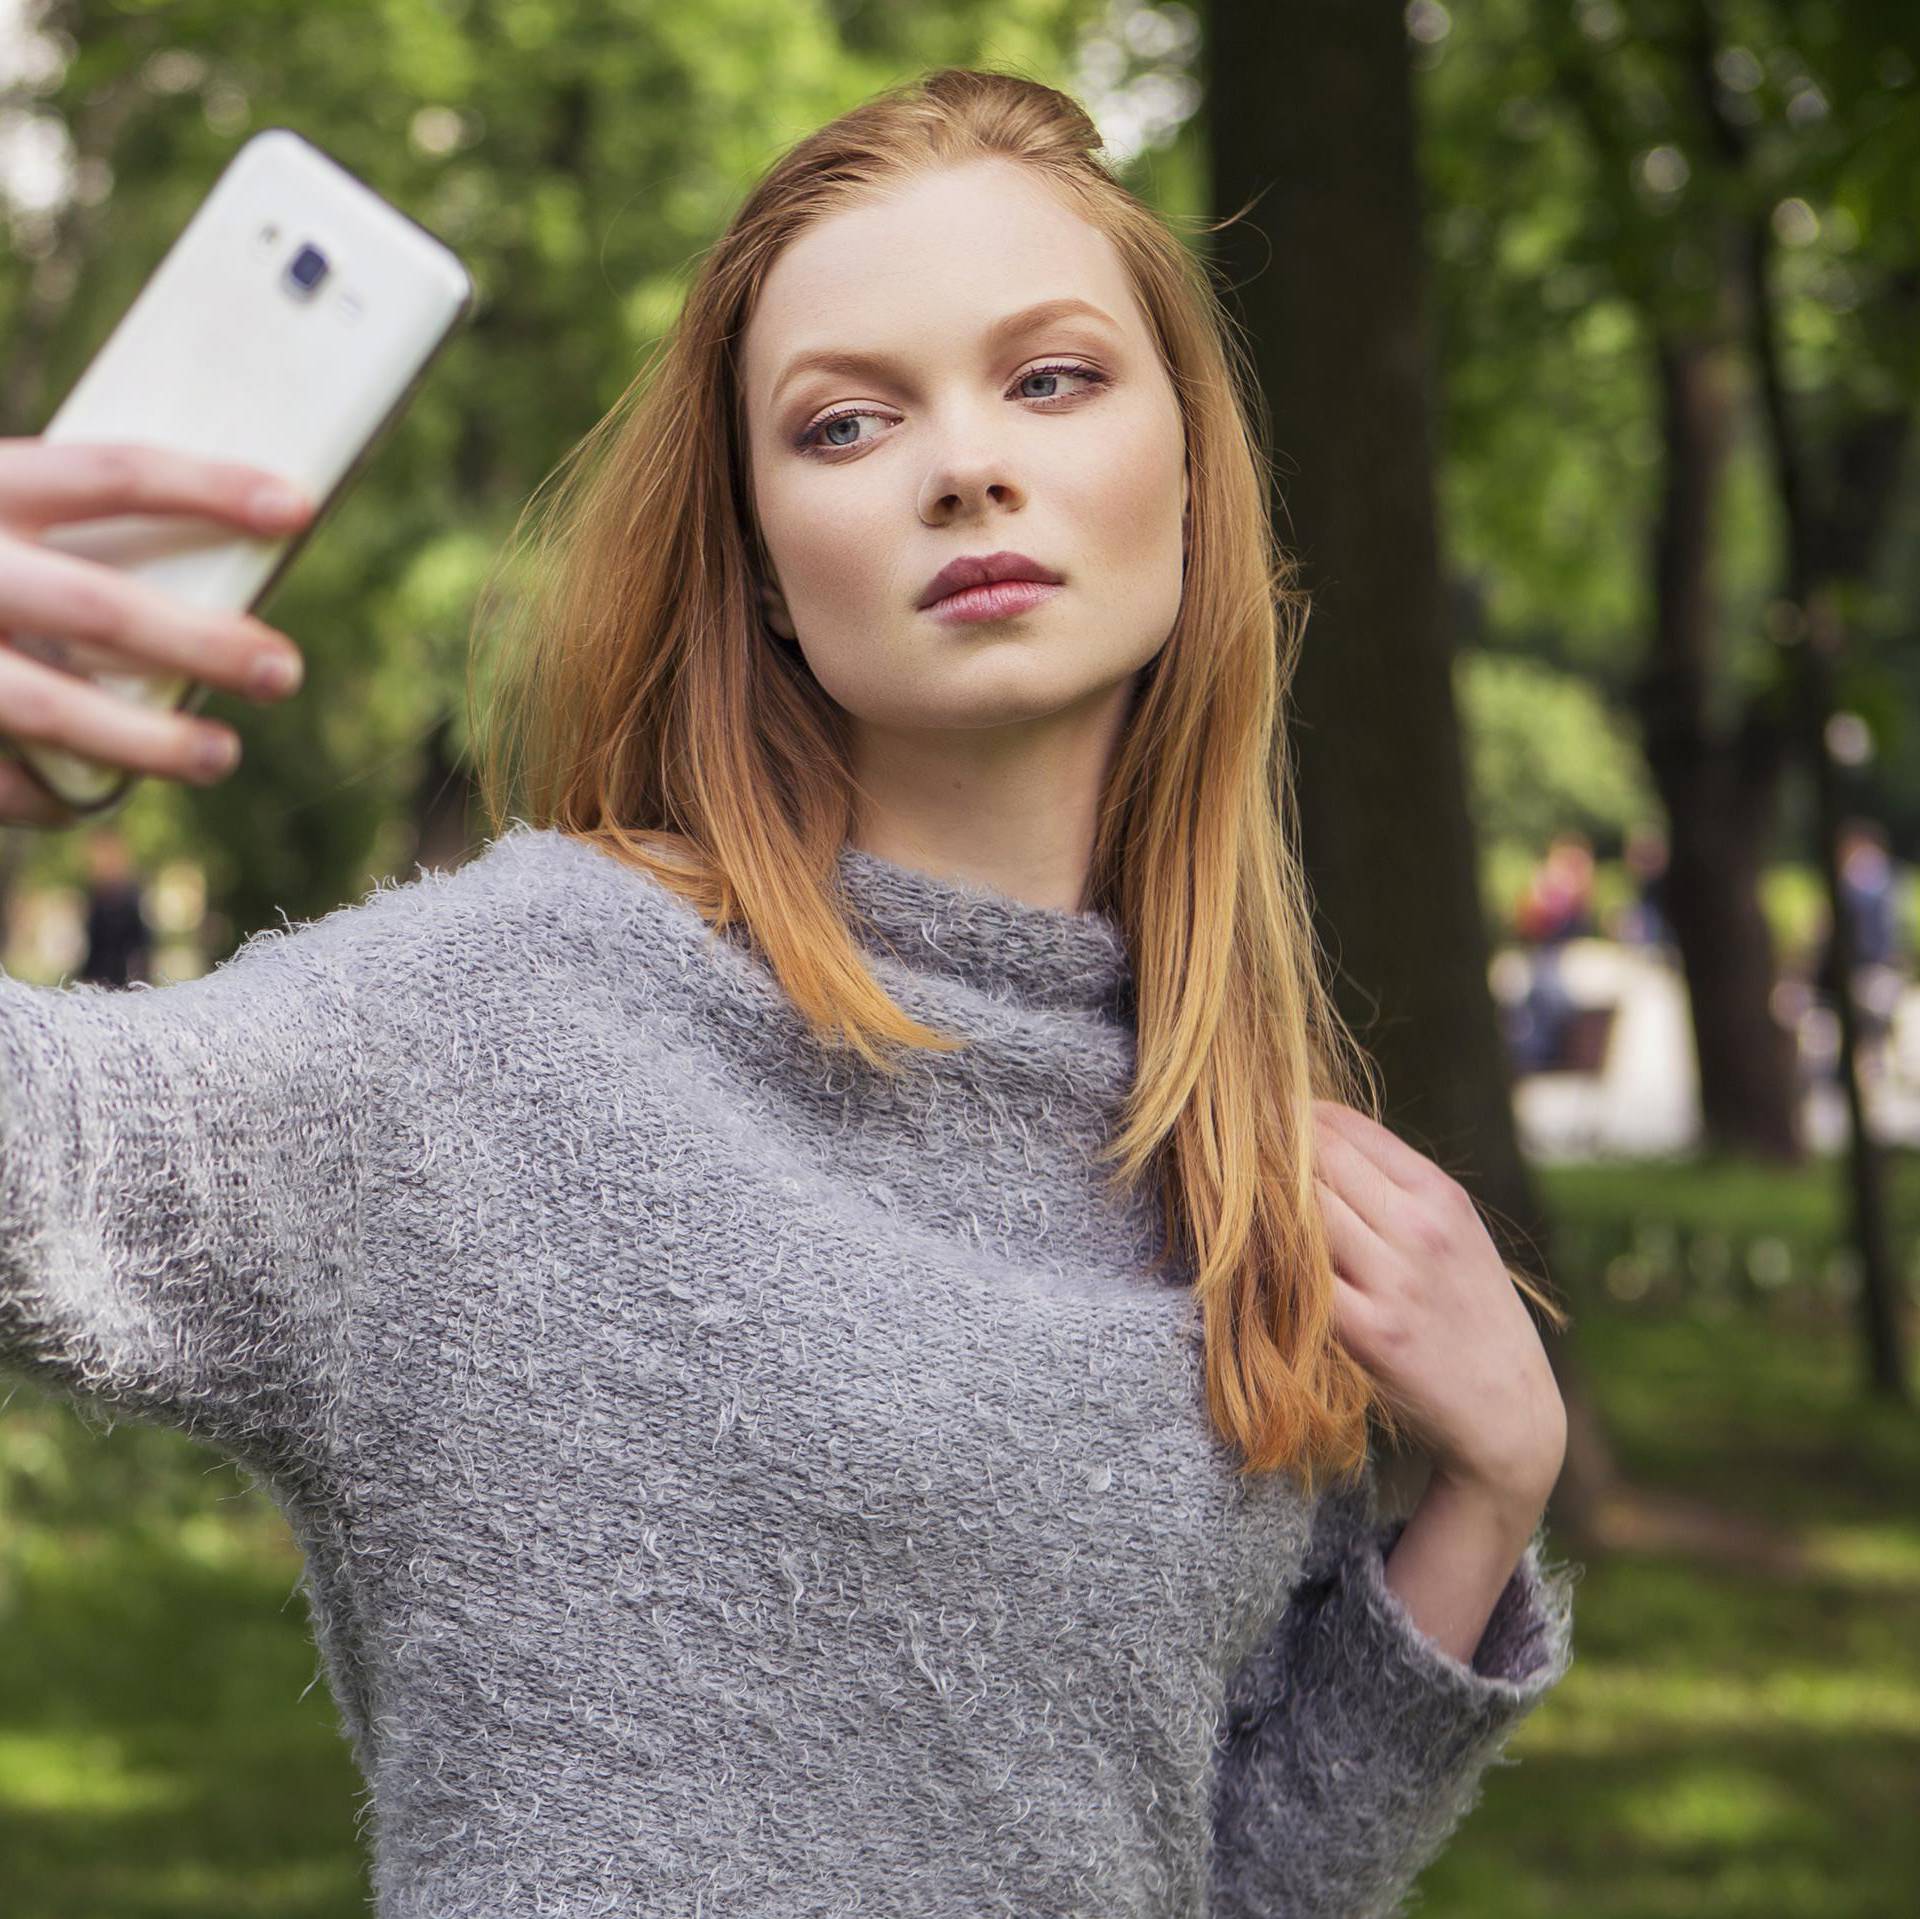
x=1145 y=493
x=842 y=564
x=819 y=523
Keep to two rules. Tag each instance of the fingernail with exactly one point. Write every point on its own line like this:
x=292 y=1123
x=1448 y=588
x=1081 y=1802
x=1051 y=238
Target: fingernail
x=217 y=757
x=274 y=676
x=275 y=500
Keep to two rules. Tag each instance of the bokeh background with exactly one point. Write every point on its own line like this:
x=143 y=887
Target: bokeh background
x=1590 y=333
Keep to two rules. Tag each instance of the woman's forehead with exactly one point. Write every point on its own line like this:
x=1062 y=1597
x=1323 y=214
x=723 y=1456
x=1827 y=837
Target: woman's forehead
x=941 y=257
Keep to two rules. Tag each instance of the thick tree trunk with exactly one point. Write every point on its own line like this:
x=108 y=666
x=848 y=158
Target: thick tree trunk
x=1311 y=113
x=1721 y=791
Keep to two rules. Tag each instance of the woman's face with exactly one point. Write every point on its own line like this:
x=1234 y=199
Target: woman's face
x=971 y=427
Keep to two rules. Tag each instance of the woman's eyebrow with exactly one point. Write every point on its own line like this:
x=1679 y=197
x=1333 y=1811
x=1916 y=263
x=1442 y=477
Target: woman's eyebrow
x=1010 y=326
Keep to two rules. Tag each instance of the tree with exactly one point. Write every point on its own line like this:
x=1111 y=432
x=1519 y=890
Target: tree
x=1752 y=140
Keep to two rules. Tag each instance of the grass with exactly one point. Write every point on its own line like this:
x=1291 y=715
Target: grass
x=1728 y=1745
x=157 y=1757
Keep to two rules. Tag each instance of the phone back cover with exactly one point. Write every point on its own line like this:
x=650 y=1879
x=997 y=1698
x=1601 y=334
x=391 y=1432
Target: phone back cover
x=218 y=357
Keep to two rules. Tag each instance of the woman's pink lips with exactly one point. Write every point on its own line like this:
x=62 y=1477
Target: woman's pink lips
x=997 y=600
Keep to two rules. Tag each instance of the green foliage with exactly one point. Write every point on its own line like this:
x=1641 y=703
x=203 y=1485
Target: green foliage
x=1548 y=453
x=1733 y=1742
x=1546 y=753
x=1579 y=200
x=166 y=1750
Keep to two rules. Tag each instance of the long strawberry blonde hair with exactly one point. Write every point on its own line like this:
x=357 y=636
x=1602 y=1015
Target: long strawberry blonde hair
x=637 y=701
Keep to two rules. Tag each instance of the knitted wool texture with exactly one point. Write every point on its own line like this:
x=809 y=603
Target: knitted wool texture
x=728 y=1483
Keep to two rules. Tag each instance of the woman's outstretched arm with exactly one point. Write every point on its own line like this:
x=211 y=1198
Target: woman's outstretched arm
x=180 y=1189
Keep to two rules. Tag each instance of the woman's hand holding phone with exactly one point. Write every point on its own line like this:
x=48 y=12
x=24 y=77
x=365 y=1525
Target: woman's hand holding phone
x=44 y=484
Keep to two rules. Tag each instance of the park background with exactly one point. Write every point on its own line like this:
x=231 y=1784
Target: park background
x=1588 y=333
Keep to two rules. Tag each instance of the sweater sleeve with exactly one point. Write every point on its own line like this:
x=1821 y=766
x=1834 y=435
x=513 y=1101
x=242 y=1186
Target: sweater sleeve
x=180 y=1191
x=1353 y=1743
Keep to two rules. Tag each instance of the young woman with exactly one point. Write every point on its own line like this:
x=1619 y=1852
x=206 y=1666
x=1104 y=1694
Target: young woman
x=815 y=1308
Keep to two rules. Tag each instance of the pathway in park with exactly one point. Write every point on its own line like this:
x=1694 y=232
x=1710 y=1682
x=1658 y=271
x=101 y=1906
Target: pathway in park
x=1645 y=1100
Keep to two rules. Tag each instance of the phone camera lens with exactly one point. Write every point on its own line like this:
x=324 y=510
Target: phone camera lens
x=307 y=269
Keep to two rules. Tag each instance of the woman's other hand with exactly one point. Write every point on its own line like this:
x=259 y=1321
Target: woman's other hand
x=1425 y=1303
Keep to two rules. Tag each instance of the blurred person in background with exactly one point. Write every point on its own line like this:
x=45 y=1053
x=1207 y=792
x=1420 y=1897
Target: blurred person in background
x=119 y=940
x=1867 y=884
x=1556 y=907
x=1643 y=920
x=1558 y=902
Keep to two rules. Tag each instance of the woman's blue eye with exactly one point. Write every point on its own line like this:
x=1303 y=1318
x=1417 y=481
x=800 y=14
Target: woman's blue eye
x=1043 y=373
x=815 y=438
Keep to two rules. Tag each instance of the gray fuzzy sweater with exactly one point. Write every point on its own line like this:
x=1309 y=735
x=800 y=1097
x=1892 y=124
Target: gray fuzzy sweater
x=729 y=1484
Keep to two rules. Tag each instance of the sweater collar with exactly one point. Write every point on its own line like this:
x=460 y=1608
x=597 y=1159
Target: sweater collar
x=1006 y=948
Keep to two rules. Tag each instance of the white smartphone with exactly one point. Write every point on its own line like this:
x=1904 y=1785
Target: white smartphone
x=287 y=327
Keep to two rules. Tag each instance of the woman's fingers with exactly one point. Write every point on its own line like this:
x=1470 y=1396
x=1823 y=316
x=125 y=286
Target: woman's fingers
x=1396 y=1160
x=43 y=591
x=1356 y=1313
x=1367 y=1190
x=1352 y=1242
x=44 y=705
x=45 y=483
x=65 y=616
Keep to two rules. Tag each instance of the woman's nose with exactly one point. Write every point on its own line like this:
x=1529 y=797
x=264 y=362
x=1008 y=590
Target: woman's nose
x=968 y=484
